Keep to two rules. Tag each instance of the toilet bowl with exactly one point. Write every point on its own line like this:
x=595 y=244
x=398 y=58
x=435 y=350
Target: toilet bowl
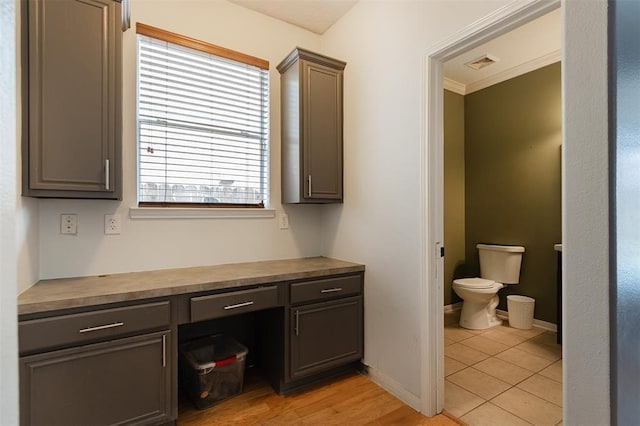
x=499 y=265
x=479 y=302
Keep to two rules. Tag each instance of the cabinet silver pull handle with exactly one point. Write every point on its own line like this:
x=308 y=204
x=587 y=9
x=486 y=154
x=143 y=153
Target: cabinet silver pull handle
x=164 y=350
x=102 y=327
x=106 y=174
x=297 y=326
x=309 y=180
x=239 y=305
x=126 y=15
x=331 y=290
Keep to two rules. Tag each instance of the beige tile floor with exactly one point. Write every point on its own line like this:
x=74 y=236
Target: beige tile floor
x=502 y=376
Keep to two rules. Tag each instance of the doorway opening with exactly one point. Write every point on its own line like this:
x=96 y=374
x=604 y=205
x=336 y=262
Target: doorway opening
x=501 y=22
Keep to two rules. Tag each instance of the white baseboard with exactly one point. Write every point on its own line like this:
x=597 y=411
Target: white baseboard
x=549 y=326
x=394 y=388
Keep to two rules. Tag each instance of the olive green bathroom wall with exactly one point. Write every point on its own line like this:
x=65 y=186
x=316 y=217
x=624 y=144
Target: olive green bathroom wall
x=512 y=179
x=454 y=226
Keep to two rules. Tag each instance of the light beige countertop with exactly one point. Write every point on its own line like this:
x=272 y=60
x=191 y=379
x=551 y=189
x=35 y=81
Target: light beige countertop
x=65 y=293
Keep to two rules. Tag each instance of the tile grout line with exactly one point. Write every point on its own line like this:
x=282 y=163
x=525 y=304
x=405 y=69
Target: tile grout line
x=532 y=340
x=506 y=411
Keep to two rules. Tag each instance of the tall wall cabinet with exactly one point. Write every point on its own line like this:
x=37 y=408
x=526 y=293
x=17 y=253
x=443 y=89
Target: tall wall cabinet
x=311 y=88
x=72 y=79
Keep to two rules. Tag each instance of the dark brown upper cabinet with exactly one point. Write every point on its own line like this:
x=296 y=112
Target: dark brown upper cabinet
x=311 y=89
x=72 y=79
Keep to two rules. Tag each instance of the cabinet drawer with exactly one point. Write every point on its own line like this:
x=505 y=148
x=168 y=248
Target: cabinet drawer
x=104 y=324
x=236 y=302
x=325 y=289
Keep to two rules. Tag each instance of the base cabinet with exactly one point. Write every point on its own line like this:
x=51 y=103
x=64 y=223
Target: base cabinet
x=116 y=363
x=325 y=335
x=124 y=382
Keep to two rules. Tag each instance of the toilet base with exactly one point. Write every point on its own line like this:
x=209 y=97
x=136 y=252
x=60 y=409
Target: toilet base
x=479 y=316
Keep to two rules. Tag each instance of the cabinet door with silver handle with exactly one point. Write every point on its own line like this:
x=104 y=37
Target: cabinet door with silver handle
x=325 y=335
x=121 y=381
x=74 y=138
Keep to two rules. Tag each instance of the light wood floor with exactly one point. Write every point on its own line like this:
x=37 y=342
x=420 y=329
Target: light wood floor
x=350 y=400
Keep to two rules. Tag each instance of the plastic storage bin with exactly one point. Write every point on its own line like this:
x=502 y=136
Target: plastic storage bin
x=520 y=311
x=212 y=369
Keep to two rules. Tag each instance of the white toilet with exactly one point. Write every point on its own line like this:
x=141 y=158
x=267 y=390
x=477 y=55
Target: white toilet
x=499 y=265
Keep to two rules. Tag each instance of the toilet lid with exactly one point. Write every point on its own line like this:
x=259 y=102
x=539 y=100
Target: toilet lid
x=478 y=283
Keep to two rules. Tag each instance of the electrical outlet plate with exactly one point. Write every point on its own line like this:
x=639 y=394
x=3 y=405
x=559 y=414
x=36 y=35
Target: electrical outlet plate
x=69 y=224
x=283 y=221
x=111 y=224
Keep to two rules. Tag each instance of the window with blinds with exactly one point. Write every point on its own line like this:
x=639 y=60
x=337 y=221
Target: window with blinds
x=203 y=116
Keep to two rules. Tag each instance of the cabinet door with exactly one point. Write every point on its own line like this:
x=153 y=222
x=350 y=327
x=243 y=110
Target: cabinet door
x=74 y=81
x=325 y=335
x=322 y=127
x=125 y=381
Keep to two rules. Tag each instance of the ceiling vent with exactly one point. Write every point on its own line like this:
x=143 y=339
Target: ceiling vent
x=482 y=62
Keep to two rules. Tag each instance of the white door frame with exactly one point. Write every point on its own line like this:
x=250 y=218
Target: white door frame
x=501 y=21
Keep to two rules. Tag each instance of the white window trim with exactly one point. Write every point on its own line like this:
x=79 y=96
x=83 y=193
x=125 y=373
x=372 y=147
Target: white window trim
x=200 y=213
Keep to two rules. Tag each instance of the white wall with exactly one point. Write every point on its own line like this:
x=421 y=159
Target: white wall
x=8 y=217
x=385 y=46
x=27 y=225
x=158 y=244
x=585 y=216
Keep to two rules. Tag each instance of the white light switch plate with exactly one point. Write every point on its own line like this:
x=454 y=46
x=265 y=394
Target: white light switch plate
x=283 y=221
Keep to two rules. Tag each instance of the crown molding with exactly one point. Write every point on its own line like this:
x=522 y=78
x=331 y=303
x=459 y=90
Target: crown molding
x=454 y=86
x=508 y=74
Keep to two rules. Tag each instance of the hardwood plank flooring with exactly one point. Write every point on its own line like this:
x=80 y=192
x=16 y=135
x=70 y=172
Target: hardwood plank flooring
x=349 y=400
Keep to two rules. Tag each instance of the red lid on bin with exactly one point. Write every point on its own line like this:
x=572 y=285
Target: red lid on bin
x=212 y=351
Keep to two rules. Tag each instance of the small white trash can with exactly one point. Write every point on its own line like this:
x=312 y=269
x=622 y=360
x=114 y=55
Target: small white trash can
x=520 y=310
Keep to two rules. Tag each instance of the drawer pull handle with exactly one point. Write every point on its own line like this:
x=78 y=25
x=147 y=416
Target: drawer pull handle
x=331 y=290
x=239 y=305
x=102 y=327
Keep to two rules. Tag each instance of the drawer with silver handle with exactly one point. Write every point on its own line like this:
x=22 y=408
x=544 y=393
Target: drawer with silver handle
x=234 y=302
x=101 y=324
x=309 y=291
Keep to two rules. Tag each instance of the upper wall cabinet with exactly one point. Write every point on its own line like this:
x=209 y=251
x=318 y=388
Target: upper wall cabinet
x=311 y=101
x=72 y=79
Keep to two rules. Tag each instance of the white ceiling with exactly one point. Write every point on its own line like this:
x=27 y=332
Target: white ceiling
x=529 y=47
x=314 y=15
x=524 y=49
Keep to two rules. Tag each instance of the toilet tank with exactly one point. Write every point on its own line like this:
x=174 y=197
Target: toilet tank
x=500 y=263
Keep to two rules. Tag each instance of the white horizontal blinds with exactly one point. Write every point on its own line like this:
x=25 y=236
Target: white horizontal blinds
x=202 y=127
